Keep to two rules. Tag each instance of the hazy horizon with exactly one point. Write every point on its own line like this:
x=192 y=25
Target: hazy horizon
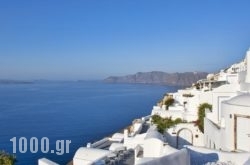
x=82 y=79
x=91 y=40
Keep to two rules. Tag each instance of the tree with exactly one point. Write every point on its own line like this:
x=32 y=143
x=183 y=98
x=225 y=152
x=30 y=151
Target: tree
x=6 y=158
x=201 y=114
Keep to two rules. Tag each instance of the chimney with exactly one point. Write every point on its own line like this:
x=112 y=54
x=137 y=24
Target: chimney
x=248 y=66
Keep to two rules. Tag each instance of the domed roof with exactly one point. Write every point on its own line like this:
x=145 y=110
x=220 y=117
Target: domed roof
x=241 y=100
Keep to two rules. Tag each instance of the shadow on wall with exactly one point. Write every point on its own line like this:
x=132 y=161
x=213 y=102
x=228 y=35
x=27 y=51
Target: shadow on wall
x=176 y=141
x=197 y=158
x=170 y=139
x=180 y=143
x=180 y=157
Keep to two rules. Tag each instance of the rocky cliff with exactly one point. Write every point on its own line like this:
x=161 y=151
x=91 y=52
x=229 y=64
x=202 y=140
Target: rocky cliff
x=156 y=77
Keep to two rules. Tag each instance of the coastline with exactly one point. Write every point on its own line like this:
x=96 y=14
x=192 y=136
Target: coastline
x=181 y=126
x=60 y=102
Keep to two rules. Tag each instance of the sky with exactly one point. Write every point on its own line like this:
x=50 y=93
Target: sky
x=93 y=39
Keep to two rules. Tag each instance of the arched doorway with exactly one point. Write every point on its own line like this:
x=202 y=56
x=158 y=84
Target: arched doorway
x=184 y=137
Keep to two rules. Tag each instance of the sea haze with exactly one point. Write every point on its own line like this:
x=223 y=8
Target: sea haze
x=78 y=111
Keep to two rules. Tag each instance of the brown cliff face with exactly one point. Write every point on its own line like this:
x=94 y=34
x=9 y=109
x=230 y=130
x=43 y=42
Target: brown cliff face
x=156 y=77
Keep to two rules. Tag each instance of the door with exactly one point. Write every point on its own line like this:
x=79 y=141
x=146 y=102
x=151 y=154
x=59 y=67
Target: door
x=243 y=133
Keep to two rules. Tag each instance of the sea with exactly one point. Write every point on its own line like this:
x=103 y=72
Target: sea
x=35 y=117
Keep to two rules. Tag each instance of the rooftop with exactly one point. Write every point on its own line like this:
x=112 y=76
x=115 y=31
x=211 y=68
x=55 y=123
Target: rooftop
x=241 y=100
x=90 y=154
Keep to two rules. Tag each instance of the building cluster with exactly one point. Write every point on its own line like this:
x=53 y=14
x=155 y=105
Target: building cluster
x=224 y=139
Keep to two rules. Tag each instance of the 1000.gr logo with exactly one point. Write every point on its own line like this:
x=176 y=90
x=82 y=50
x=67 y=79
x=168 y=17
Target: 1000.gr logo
x=62 y=146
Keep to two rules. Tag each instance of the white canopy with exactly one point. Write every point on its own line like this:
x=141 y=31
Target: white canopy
x=89 y=155
x=116 y=147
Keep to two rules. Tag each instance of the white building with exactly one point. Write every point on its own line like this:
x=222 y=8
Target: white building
x=88 y=156
x=184 y=134
x=233 y=133
x=226 y=127
x=149 y=146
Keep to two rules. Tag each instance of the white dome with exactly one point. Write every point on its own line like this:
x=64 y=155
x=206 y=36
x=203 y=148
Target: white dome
x=241 y=100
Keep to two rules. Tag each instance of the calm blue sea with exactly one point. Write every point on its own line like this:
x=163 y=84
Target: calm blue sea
x=78 y=111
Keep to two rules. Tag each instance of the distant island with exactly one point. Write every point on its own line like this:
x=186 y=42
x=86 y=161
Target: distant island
x=157 y=77
x=5 y=81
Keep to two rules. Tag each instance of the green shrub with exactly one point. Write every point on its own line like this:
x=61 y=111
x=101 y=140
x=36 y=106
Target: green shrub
x=201 y=115
x=156 y=118
x=178 y=120
x=6 y=158
x=169 y=102
x=164 y=123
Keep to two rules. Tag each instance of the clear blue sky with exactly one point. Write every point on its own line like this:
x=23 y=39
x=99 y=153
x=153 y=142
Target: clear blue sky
x=92 y=39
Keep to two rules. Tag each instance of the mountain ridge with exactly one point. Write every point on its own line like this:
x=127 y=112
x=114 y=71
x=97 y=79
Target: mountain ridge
x=159 y=77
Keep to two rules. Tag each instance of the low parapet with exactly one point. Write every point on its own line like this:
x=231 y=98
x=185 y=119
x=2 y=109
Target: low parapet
x=179 y=157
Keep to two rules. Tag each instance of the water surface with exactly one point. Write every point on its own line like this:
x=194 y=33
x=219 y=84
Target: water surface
x=78 y=111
